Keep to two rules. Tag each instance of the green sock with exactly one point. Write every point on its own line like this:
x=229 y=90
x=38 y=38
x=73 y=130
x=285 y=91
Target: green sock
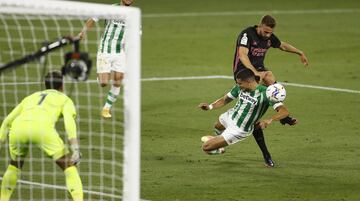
x=110 y=99
x=112 y=96
x=217 y=131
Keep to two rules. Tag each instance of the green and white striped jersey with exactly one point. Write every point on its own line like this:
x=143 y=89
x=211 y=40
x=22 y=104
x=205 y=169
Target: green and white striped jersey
x=250 y=107
x=112 y=39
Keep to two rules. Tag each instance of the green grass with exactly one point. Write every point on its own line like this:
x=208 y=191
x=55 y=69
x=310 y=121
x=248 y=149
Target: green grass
x=316 y=160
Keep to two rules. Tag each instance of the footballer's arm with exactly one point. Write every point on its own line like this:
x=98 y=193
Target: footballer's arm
x=69 y=114
x=88 y=25
x=244 y=58
x=216 y=104
x=289 y=48
x=8 y=121
x=281 y=112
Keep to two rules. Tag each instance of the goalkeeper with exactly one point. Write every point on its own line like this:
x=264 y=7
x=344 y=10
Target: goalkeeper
x=33 y=122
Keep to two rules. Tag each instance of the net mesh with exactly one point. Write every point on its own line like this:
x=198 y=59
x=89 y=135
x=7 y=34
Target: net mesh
x=101 y=140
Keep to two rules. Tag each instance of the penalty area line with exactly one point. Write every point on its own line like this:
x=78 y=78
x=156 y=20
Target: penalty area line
x=321 y=88
x=254 y=12
x=230 y=77
x=153 y=79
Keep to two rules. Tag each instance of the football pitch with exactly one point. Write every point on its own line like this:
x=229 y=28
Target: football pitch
x=315 y=160
x=187 y=53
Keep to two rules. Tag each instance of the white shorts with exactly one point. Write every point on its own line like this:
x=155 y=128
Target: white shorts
x=232 y=133
x=106 y=63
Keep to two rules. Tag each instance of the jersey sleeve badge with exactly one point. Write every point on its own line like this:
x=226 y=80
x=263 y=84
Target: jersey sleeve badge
x=244 y=39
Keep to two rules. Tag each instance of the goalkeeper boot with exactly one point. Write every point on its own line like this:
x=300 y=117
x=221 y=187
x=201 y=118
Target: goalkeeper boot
x=288 y=120
x=106 y=113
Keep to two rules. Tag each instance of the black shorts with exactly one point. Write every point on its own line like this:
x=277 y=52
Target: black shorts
x=239 y=68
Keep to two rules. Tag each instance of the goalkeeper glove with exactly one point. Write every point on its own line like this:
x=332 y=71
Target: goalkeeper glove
x=76 y=155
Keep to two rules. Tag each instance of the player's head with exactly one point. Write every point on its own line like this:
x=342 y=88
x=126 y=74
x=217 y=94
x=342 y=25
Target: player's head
x=246 y=79
x=266 y=26
x=54 y=80
x=127 y=2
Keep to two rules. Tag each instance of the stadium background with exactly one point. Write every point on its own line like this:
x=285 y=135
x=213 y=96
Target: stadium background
x=316 y=160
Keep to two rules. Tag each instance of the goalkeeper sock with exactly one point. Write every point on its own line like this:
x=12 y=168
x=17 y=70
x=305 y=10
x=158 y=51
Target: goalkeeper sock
x=9 y=182
x=73 y=183
x=111 y=97
x=260 y=140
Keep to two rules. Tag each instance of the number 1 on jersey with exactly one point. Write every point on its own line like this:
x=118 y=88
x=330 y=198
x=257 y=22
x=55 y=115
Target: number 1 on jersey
x=42 y=98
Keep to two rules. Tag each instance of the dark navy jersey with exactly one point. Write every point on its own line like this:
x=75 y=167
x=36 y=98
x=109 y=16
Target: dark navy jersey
x=257 y=47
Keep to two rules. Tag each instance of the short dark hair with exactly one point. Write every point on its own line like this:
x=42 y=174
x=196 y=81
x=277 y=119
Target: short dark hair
x=54 y=80
x=268 y=20
x=245 y=74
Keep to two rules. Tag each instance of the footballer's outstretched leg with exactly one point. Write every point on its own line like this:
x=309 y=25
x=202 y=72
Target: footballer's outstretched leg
x=213 y=145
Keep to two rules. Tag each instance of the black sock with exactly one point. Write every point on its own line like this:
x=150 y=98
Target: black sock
x=260 y=140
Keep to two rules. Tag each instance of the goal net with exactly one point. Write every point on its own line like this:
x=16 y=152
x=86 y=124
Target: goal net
x=110 y=165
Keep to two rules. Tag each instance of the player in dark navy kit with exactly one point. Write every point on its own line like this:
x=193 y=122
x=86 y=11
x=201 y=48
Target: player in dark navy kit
x=251 y=47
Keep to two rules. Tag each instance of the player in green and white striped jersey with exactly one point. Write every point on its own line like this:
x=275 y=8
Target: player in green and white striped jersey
x=110 y=56
x=239 y=122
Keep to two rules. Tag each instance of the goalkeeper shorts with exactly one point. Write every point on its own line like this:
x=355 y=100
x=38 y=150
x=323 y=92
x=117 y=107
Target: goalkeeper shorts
x=25 y=133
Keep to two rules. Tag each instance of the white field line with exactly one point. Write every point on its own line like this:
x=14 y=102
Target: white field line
x=230 y=77
x=322 y=88
x=153 y=79
x=64 y=188
x=186 y=78
x=255 y=12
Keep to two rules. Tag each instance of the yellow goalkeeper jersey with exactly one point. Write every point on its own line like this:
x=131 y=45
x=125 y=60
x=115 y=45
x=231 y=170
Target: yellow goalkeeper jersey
x=43 y=109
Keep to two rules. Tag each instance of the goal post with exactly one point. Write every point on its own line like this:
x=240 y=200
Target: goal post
x=132 y=105
x=111 y=148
